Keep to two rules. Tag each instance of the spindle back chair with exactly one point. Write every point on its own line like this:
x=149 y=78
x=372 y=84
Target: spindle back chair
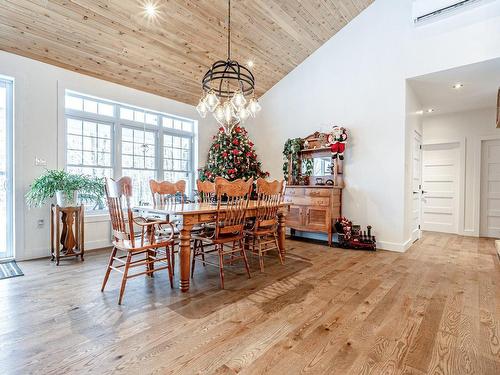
x=167 y=193
x=227 y=235
x=123 y=223
x=262 y=236
x=206 y=191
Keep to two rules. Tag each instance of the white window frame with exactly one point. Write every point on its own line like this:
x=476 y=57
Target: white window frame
x=117 y=125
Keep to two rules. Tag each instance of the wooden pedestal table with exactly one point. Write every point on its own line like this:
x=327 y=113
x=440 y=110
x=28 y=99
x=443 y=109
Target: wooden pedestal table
x=67 y=242
x=198 y=213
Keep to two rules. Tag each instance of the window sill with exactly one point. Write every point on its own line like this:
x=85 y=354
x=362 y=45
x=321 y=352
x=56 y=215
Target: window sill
x=96 y=218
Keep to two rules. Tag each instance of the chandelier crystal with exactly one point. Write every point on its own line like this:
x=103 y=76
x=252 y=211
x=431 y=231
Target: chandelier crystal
x=228 y=90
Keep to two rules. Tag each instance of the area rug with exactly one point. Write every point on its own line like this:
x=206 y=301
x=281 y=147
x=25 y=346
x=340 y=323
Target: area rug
x=10 y=269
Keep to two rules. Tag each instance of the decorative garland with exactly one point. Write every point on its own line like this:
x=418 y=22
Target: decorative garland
x=292 y=148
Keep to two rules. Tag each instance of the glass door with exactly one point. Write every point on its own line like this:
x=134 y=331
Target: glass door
x=6 y=198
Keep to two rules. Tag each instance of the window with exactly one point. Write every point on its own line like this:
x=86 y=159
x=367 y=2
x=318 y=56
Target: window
x=109 y=139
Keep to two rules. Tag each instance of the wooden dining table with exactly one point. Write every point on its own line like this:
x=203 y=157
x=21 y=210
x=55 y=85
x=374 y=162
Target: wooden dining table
x=191 y=214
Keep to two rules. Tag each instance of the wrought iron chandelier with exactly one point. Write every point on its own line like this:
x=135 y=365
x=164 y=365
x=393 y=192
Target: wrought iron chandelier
x=228 y=90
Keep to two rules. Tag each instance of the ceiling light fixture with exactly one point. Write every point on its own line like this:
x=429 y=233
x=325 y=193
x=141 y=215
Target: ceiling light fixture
x=430 y=110
x=420 y=112
x=228 y=90
x=250 y=63
x=150 y=9
x=458 y=86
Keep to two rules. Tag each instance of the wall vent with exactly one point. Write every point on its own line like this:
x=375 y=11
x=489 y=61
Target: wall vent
x=424 y=10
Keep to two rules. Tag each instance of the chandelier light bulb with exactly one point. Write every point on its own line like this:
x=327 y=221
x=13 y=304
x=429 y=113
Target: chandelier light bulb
x=219 y=114
x=211 y=100
x=254 y=106
x=238 y=100
x=228 y=113
x=243 y=114
x=202 y=108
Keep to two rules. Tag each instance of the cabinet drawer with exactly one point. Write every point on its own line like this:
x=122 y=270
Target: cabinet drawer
x=293 y=192
x=308 y=201
x=318 y=192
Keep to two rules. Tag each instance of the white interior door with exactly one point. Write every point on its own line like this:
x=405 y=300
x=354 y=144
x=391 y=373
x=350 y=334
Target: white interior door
x=6 y=250
x=490 y=189
x=440 y=176
x=416 y=185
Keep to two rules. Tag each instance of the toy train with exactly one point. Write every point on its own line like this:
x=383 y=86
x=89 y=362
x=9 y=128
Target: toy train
x=349 y=236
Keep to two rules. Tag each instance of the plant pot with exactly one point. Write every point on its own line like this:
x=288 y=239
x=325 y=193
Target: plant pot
x=64 y=200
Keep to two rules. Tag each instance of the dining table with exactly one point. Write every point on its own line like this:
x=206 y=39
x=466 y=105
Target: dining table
x=190 y=215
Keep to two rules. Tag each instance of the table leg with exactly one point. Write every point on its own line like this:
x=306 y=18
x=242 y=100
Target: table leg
x=185 y=257
x=281 y=233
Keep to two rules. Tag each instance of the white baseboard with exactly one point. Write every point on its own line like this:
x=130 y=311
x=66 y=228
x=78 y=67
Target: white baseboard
x=44 y=252
x=394 y=246
x=469 y=233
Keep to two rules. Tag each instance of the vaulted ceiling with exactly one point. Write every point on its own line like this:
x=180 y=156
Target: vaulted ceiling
x=167 y=55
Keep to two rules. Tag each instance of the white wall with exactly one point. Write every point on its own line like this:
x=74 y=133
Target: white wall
x=39 y=113
x=357 y=80
x=469 y=127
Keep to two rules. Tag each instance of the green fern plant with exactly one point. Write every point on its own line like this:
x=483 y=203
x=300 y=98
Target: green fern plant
x=43 y=188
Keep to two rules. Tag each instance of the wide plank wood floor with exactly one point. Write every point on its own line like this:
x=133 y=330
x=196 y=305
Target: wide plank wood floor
x=433 y=310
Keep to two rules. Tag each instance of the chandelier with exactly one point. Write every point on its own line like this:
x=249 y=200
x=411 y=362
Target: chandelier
x=228 y=90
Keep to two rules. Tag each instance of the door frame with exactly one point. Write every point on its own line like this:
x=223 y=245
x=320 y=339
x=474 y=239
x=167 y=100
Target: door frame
x=478 y=145
x=462 y=142
x=420 y=166
x=9 y=167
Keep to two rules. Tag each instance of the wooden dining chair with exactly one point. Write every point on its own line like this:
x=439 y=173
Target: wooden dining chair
x=143 y=249
x=227 y=234
x=206 y=191
x=166 y=193
x=262 y=235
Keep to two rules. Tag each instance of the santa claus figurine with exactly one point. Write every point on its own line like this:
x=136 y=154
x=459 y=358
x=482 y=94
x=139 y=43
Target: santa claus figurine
x=337 y=140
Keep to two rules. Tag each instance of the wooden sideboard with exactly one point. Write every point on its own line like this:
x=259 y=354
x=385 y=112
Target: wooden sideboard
x=313 y=208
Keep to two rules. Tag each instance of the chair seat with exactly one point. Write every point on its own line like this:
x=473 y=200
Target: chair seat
x=205 y=237
x=166 y=231
x=127 y=244
x=261 y=231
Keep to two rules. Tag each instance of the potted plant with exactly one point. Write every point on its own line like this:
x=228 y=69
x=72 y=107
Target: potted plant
x=65 y=187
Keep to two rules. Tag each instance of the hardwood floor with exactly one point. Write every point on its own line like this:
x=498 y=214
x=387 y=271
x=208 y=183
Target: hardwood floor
x=434 y=309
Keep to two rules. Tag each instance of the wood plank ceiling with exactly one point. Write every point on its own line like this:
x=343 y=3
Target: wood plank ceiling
x=114 y=39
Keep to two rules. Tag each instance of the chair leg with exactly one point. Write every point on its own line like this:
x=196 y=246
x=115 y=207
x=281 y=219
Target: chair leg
x=195 y=245
x=243 y=252
x=278 y=247
x=108 y=270
x=202 y=253
x=172 y=258
x=124 y=278
x=151 y=265
x=221 y=264
x=170 y=270
x=261 y=257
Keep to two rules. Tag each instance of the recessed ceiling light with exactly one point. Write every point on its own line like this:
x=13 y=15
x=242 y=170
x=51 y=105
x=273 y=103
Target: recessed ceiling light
x=421 y=112
x=457 y=86
x=150 y=9
x=250 y=63
x=430 y=110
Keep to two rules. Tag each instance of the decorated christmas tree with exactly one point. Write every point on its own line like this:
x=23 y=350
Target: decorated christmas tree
x=232 y=157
